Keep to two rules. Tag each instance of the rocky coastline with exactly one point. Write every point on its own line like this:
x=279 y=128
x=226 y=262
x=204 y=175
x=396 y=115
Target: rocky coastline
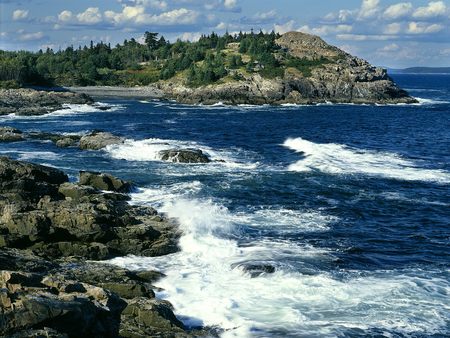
x=27 y=101
x=49 y=230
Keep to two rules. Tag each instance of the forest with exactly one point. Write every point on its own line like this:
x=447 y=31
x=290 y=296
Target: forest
x=131 y=63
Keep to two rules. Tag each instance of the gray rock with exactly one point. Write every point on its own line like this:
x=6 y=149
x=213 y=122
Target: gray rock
x=184 y=156
x=10 y=134
x=98 y=140
x=104 y=182
x=34 y=102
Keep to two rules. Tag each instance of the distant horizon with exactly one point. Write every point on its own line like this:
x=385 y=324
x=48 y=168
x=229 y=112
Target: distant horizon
x=384 y=32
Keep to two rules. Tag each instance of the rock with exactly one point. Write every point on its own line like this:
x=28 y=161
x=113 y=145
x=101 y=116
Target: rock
x=61 y=140
x=148 y=317
x=26 y=181
x=98 y=140
x=35 y=102
x=104 y=182
x=66 y=142
x=184 y=156
x=256 y=270
x=41 y=211
x=9 y=134
x=336 y=76
x=73 y=298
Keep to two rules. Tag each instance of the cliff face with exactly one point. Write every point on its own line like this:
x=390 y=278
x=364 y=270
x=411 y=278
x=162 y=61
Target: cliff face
x=338 y=77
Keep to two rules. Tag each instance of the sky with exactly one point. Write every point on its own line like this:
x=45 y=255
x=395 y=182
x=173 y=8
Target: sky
x=389 y=33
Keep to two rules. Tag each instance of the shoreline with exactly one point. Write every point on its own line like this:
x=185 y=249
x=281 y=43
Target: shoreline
x=141 y=92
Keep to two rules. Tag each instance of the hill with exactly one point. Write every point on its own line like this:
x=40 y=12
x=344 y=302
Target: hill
x=244 y=68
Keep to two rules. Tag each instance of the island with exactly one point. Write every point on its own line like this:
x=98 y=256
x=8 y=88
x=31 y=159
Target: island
x=245 y=68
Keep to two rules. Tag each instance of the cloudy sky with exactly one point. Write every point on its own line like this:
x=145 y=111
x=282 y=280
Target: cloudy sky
x=385 y=32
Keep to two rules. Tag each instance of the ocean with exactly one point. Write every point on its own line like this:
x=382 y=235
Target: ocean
x=348 y=204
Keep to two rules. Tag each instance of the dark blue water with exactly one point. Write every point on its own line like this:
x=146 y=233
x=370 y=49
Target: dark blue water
x=349 y=203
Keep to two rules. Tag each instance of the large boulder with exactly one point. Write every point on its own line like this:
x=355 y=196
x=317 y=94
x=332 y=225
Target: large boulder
x=10 y=134
x=184 y=156
x=104 y=182
x=98 y=140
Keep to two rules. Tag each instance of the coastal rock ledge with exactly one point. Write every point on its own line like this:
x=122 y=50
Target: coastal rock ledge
x=50 y=229
x=337 y=77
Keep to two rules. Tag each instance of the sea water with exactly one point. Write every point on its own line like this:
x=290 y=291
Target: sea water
x=349 y=203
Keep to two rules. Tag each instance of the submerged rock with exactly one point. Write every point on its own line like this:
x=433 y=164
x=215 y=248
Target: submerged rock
x=98 y=140
x=10 y=134
x=184 y=156
x=61 y=140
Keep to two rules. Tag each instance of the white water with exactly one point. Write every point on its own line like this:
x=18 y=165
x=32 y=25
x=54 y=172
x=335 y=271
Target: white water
x=207 y=285
x=335 y=158
x=149 y=150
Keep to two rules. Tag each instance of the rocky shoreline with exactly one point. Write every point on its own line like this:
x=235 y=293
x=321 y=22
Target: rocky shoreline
x=50 y=229
x=26 y=101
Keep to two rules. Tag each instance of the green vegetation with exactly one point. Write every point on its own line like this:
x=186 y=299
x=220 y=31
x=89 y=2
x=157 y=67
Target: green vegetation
x=207 y=61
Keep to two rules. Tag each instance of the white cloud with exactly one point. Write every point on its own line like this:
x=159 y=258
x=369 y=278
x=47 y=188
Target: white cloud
x=156 y=4
x=230 y=4
x=65 y=16
x=20 y=14
x=136 y=15
x=369 y=8
x=90 y=16
x=393 y=47
x=31 y=36
x=364 y=37
x=393 y=28
x=327 y=29
x=423 y=28
x=434 y=9
x=193 y=37
x=397 y=11
x=284 y=28
x=445 y=52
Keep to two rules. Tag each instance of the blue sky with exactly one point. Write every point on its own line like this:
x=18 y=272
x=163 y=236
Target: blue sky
x=394 y=33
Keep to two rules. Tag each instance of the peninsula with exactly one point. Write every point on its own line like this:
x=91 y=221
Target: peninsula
x=246 y=68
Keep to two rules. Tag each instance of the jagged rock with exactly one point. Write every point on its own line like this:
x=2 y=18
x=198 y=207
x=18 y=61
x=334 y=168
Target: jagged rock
x=61 y=140
x=34 y=102
x=184 y=156
x=10 y=134
x=104 y=182
x=40 y=210
x=148 y=317
x=73 y=298
x=98 y=140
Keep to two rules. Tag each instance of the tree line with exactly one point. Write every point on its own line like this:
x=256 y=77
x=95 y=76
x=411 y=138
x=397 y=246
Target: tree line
x=132 y=63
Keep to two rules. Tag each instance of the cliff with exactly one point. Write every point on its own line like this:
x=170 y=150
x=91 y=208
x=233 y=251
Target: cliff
x=314 y=72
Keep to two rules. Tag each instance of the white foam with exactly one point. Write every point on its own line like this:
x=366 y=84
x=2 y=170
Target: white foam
x=207 y=286
x=426 y=102
x=70 y=109
x=340 y=159
x=149 y=150
x=31 y=155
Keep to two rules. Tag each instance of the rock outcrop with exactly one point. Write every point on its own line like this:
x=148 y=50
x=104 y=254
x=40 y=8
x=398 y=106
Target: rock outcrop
x=184 y=156
x=98 y=140
x=49 y=228
x=36 y=102
x=336 y=77
x=9 y=134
